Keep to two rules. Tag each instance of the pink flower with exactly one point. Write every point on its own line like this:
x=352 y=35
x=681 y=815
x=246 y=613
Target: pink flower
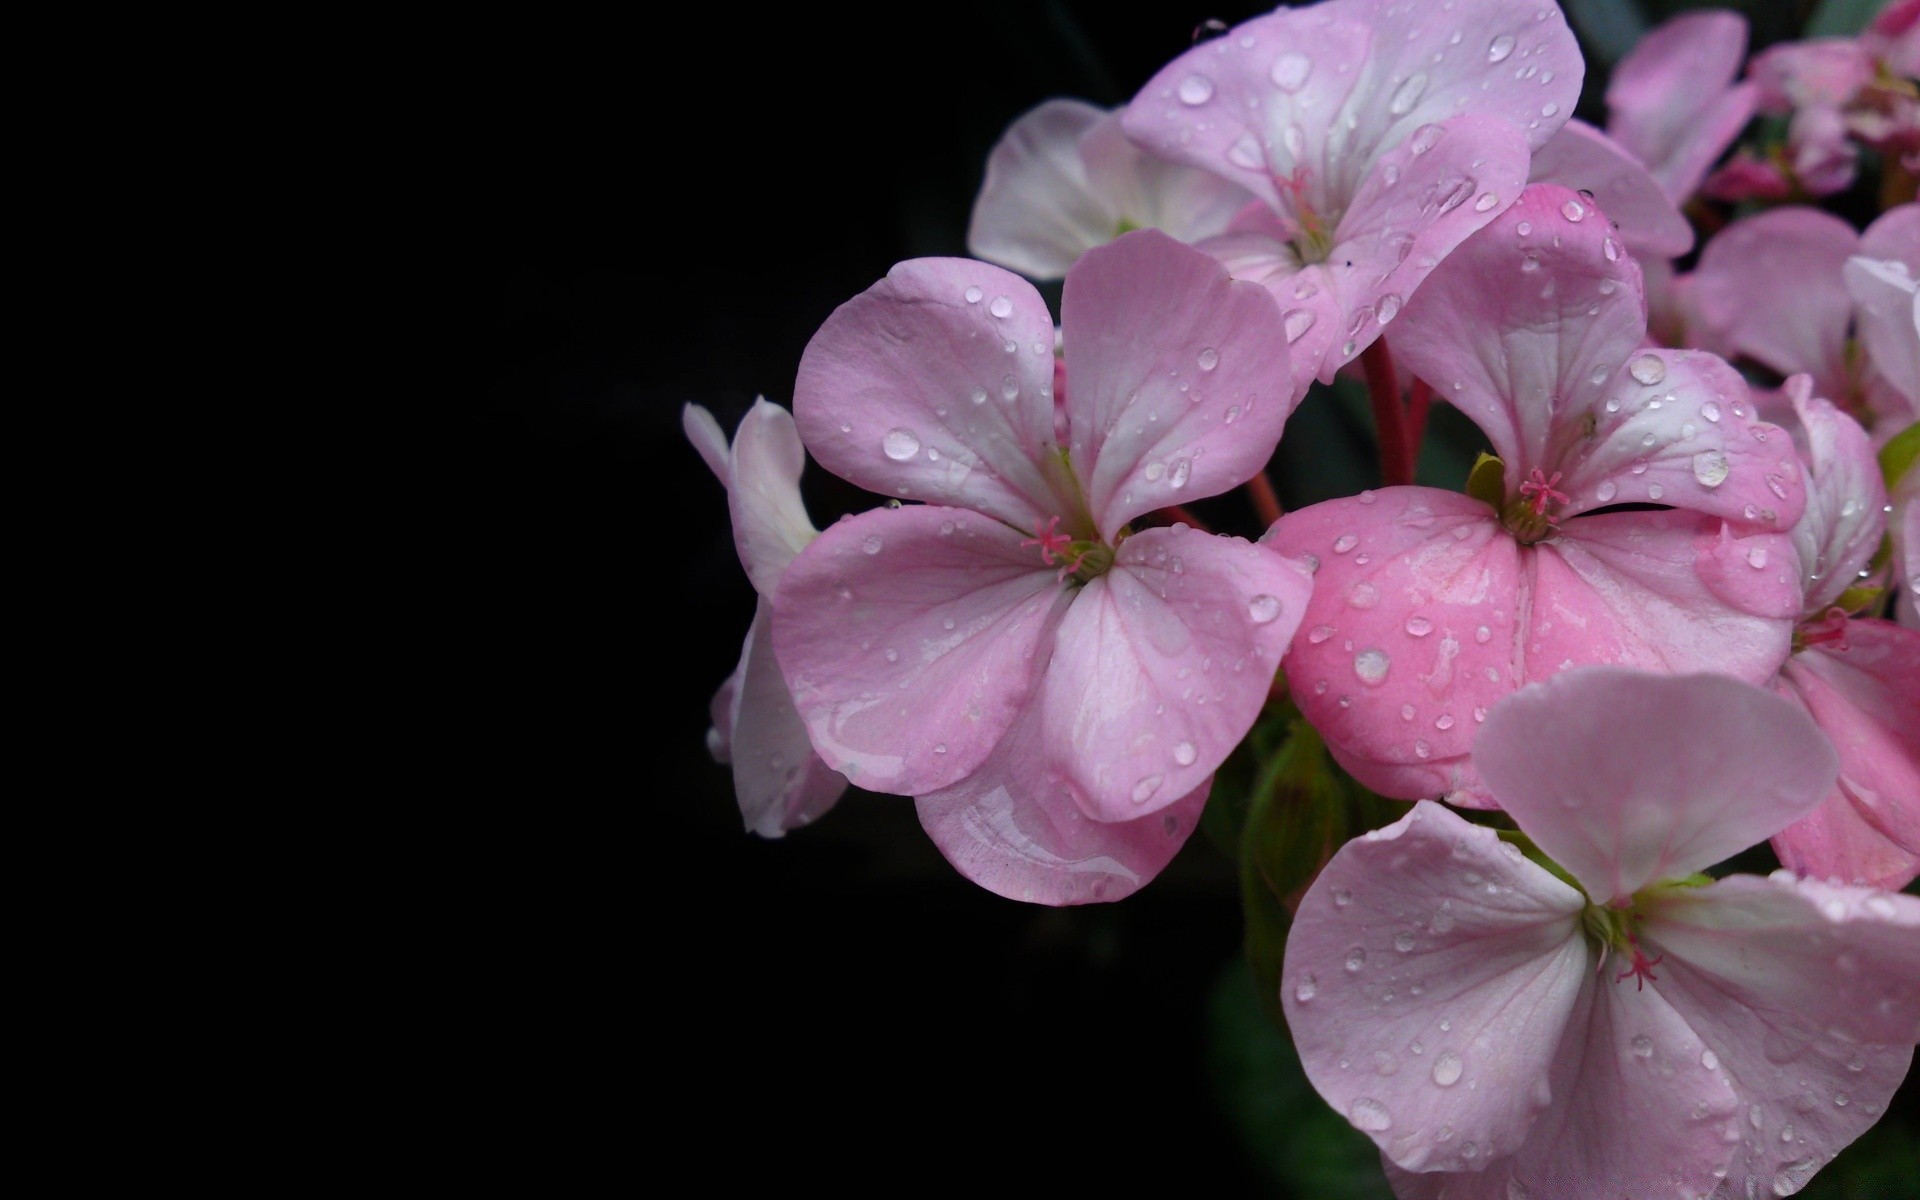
x=1064 y=179
x=1618 y=1026
x=1586 y=160
x=1054 y=685
x=1376 y=136
x=1858 y=677
x=1883 y=278
x=1429 y=606
x=1672 y=101
x=1815 y=72
x=779 y=781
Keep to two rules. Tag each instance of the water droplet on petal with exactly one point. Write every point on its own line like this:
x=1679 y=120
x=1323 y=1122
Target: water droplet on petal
x=1407 y=94
x=1547 y=110
x=1655 y=491
x=973 y=295
x=1320 y=633
x=1001 y=307
x=1425 y=138
x=1710 y=1060
x=1642 y=1046
x=1298 y=322
x=1344 y=543
x=1306 y=989
x=1246 y=152
x=1710 y=468
x=1574 y=211
x=1184 y=754
x=1144 y=790
x=1209 y=359
x=1262 y=609
x=1342 y=897
x=1369 y=1114
x=872 y=544
x=1196 y=89
x=1499 y=48
x=1403 y=942
x=1757 y=557
x=1363 y=595
x=1389 y=308
x=1419 y=626
x=1486 y=201
x=900 y=444
x=1356 y=958
x=1648 y=369
x=1371 y=666
x=1290 y=71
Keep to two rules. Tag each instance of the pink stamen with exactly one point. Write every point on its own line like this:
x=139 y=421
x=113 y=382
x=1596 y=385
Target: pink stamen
x=1540 y=492
x=1050 y=542
x=1831 y=627
x=1641 y=970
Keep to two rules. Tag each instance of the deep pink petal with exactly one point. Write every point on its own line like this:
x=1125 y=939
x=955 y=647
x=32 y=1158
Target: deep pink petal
x=1417 y=203
x=1012 y=828
x=1866 y=698
x=936 y=384
x=1526 y=324
x=910 y=637
x=1162 y=664
x=779 y=781
x=1777 y=276
x=1430 y=975
x=1715 y=766
x=1841 y=529
x=1179 y=376
x=1584 y=159
x=1678 y=428
x=1672 y=101
x=1808 y=997
x=1410 y=634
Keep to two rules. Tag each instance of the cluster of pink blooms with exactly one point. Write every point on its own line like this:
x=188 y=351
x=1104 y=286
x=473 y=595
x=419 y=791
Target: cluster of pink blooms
x=1672 y=616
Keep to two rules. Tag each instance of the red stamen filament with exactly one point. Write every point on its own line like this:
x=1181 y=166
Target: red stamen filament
x=1540 y=493
x=1831 y=627
x=1642 y=968
x=1049 y=541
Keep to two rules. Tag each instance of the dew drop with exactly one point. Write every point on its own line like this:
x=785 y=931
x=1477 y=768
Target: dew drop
x=1642 y=1046
x=1606 y=491
x=900 y=444
x=872 y=544
x=1574 y=211
x=1710 y=1060
x=1757 y=557
x=1344 y=543
x=1298 y=322
x=1001 y=307
x=1306 y=989
x=1419 y=626
x=1548 y=110
x=1320 y=633
x=1407 y=94
x=1710 y=468
x=1144 y=790
x=1184 y=754
x=1486 y=201
x=1290 y=71
x=1246 y=152
x=1648 y=369
x=1209 y=359
x=1371 y=666
x=1443 y=721
x=1425 y=138
x=1403 y=942
x=1363 y=595
x=1447 y=1069
x=1195 y=89
x=1499 y=48
x=1342 y=897
x=1263 y=608
x=1389 y=308
x=1529 y=262
x=1655 y=491
x=1369 y=1114
x=1356 y=958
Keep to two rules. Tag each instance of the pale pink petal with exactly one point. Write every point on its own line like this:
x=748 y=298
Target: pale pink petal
x=1840 y=531
x=1162 y=664
x=1715 y=766
x=1905 y=527
x=779 y=781
x=1672 y=102
x=1882 y=281
x=1011 y=828
x=1036 y=211
x=1821 y=151
x=1826 y=71
x=1807 y=996
x=936 y=384
x=770 y=522
x=707 y=437
x=1430 y=976
x=1311 y=312
x=1154 y=193
x=910 y=638
x=1255 y=105
x=1179 y=376
x=1866 y=698
x=1584 y=159
x=1526 y=321
x=1777 y=277
x=1418 y=202
x=1410 y=635
x=1893 y=37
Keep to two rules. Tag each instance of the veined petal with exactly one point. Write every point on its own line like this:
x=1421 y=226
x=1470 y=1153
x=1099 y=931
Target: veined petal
x=1866 y=698
x=1417 y=203
x=1516 y=328
x=1162 y=664
x=910 y=638
x=1036 y=211
x=1012 y=827
x=1672 y=100
x=1774 y=280
x=1716 y=766
x=1310 y=306
x=1679 y=428
x=779 y=781
x=1184 y=202
x=936 y=384
x=1585 y=159
x=1841 y=529
x=1179 y=376
x=1807 y=996
x=1429 y=979
x=1410 y=632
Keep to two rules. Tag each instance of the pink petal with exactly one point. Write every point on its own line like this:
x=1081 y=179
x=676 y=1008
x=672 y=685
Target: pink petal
x=1162 y=664
x=1417 y=203
x=1311 y=312
x=1679 y=428
x=1808 y=997
x=1866 y=698
x=1179 y=376
x=1841 y=529
x=770 y=522
x=1036 y=212
x=779 y=781
x=1672 y=102
x=1430 y=974
x=1905 y=528
x=1882 y=281
x=1584 y=159
x=707 y=437
x=1821 y=151
x=1410 y=632
x=1826 y=72
x=936 y=384
x=1777 y=277
x=1011 y=828
x=1525 y=314
x=910 y=637
x=1186 y=203
x=1716 y=765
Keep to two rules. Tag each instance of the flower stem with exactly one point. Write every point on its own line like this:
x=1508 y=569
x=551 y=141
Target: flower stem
x=1266 y=502
x=1417 y=403
x=1389 y=414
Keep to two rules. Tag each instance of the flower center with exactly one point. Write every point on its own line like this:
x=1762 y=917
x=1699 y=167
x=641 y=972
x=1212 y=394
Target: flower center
x=1828 y=629
x=1084 y=559
x=1530 y=517
x=1311 y=238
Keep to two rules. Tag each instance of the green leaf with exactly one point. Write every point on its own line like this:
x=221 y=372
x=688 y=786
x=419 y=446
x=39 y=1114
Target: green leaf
x=1841 y=18
x=1898 y=454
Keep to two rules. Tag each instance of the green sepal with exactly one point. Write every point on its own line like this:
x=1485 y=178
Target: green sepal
x=1858 y=599
x=1487 y=482
x=1898 y=454
x=1539 y=857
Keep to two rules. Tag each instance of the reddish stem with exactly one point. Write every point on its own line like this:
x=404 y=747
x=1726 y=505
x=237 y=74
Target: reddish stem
x=1266 y=502
x=1417 y=416
x=1389 y=415
x=1175 y=513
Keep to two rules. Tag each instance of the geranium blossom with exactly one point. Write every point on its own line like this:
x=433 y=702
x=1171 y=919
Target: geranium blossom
x=1376 y=135
x=1626 y=1028
x=1429 y=606
x=1672 y=100
x=1055 y=685
x=1064 y=179
x=779 y=781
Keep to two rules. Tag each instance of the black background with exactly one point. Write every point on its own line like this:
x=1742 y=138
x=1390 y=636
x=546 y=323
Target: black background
x=663 y=212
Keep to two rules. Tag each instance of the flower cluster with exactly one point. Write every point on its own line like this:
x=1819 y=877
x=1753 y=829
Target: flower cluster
x=1669 y=615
